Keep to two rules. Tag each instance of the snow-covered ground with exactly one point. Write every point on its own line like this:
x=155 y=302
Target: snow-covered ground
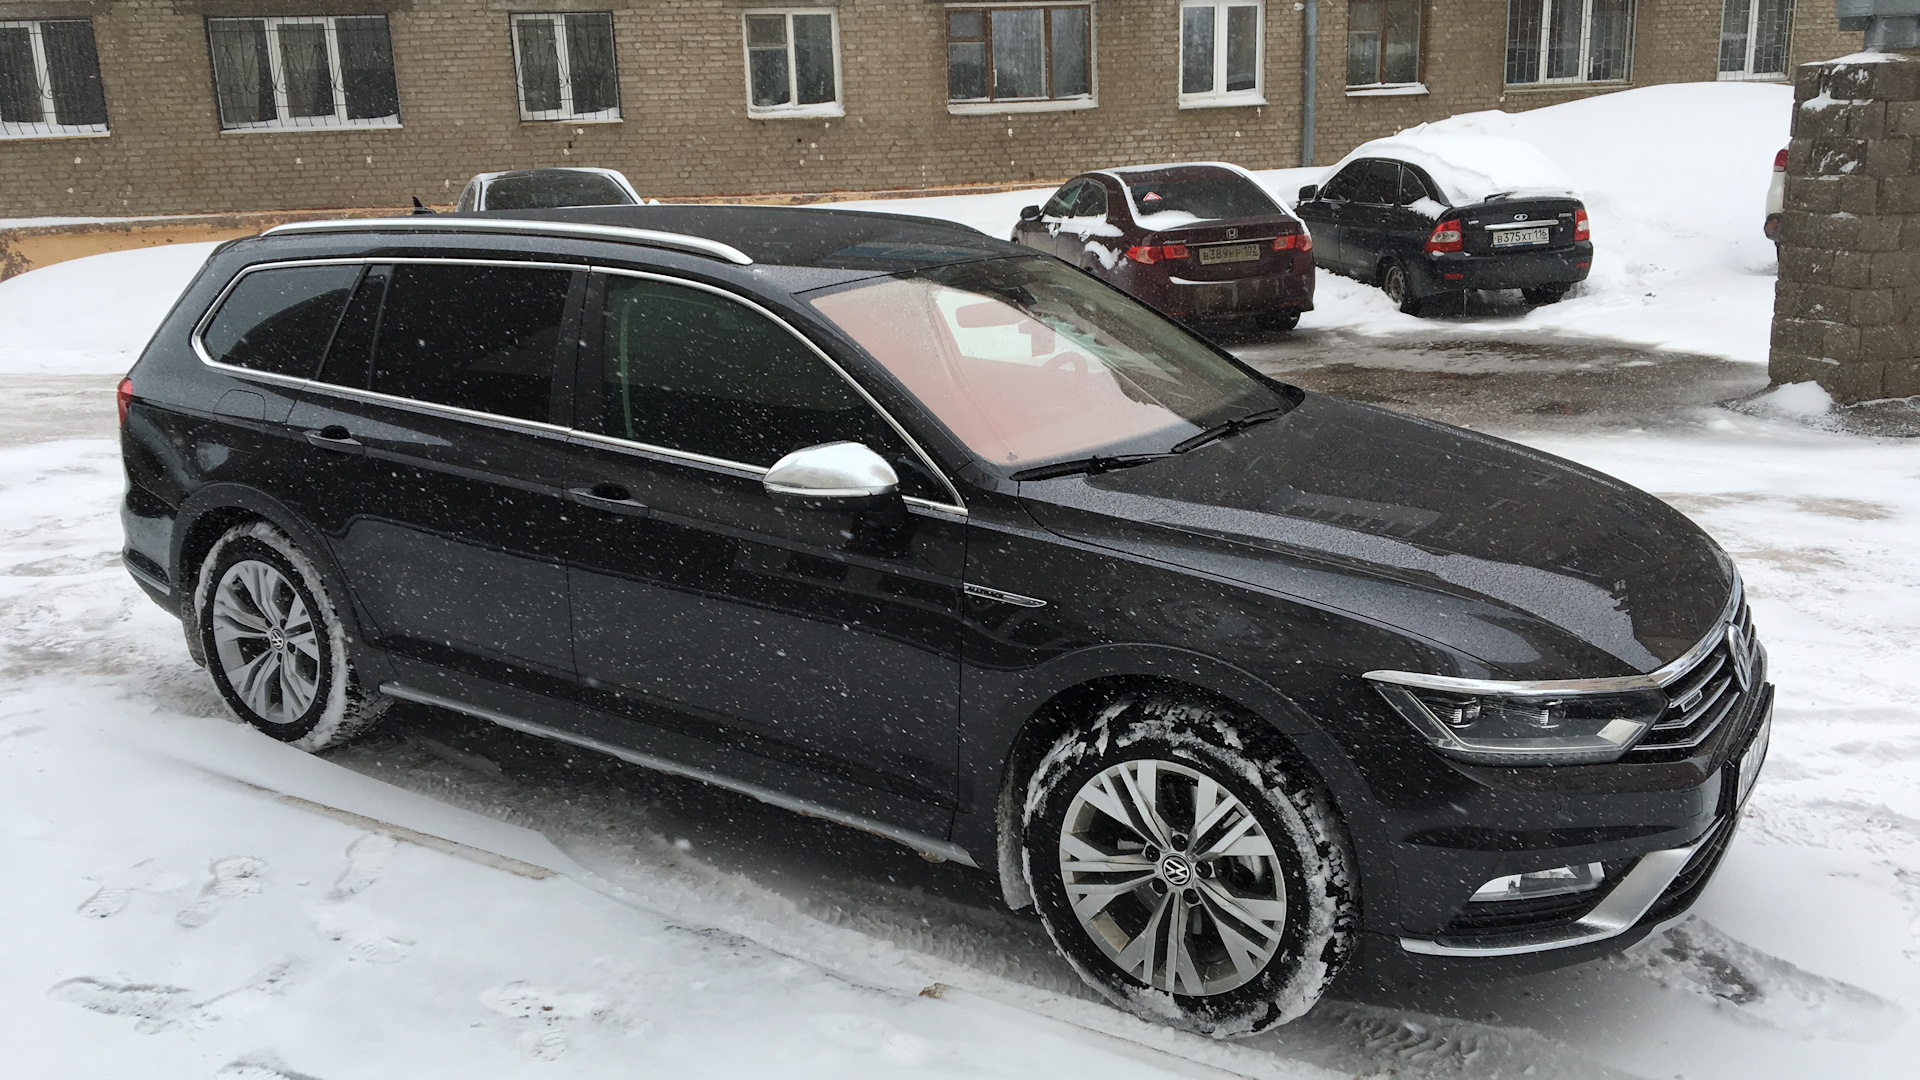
x=181 y=897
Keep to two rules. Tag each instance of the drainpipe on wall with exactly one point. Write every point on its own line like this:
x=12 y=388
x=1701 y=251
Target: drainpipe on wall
x=1309 y=79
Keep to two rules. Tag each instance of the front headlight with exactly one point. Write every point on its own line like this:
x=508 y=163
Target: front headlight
x=1523 y=726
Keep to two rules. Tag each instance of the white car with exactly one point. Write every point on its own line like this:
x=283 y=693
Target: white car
x=542 y=189
x=1776 y=197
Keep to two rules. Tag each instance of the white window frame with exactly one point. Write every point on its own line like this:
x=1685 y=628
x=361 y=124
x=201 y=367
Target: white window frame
x=49 y=126
x=1006 y=106
x=1220 y=97
x=792 y=110
x=276 y=64
x=1746 y=72
x=565 y=62
x=1586 y=47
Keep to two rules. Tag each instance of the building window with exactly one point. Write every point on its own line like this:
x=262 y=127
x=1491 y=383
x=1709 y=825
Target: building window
x=1019 y=54
x=304 y=72
x=1220 y=49
x=1383 y=42
x=565 y=67
x=50 y=79
x=792 y=63
x=1753 y=38
x=1568 y=41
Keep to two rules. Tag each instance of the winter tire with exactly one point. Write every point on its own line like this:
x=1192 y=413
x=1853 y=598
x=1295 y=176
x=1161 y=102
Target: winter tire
x=274 y=642
x=1393 y=282
x=1185 y=871
x=1544 y=294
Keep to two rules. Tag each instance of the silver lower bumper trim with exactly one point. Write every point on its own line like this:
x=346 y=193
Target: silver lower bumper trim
x=925 y=845
x=1625 y=906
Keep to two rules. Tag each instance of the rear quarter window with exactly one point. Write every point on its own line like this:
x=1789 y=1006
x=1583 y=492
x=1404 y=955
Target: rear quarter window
x=279 y=320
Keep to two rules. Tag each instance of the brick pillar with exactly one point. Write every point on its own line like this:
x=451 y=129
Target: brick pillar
x=1846 y=311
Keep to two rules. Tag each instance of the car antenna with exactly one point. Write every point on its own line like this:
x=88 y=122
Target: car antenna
x=422 y=208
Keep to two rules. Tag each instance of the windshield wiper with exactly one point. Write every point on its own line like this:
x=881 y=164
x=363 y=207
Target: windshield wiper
x=1228 y=427
x=1092 y=466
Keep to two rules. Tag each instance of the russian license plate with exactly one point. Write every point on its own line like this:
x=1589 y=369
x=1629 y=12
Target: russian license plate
x=1521 y=237
x=1751 y=761
x=1229 y=253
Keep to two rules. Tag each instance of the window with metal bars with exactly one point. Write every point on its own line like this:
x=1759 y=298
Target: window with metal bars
x=1569 y=41
x=792 y=63
x=1753 y=38
x=1220 y=53
x=1383 y=42
x=50 y=79
x=1019 y=54
x=304 y=72
x=565 y=66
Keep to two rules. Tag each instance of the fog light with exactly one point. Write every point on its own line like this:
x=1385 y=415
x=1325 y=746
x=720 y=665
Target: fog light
x=1558 y=881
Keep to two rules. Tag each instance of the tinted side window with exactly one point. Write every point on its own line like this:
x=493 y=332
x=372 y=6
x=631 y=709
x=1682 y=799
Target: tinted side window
x=1061 y=205
x=1412 y=188
x=1379 y=183
x=688 y=370
x=478 y=337
x=1342 y=187
x=1091 y=201
x=279 y=320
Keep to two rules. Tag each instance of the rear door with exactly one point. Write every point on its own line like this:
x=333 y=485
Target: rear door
x=774 y=636
x=434 y=459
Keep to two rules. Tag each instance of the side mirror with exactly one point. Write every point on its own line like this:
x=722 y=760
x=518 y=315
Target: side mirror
x=1029 y=213
x=1309 y=193
x=836 y=473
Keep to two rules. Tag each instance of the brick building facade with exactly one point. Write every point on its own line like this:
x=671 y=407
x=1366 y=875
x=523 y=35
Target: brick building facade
x=214 y=105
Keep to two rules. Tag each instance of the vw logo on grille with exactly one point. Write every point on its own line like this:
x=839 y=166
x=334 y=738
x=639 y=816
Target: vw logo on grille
x=1740 y=650
x=1176 y=870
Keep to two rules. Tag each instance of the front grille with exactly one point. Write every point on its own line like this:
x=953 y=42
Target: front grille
x=1701 y=699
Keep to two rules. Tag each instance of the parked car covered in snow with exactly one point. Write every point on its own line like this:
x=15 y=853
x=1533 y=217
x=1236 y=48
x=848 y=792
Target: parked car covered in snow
x=1428 y=216
x=1200 y=241
x=545 y=189
x=896 y=524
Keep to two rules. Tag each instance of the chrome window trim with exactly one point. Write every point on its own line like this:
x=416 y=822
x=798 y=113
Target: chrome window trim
x=926 y=845
x=697 y=245
x=1655 y=680
x=958 y=506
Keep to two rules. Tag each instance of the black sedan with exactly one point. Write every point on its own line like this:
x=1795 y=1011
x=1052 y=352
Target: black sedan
x=1394 y=223
x=895 y=524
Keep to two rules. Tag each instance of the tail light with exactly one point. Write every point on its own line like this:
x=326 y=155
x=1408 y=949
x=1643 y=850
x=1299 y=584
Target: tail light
x=1780 y=161
x=1445 y=236
x=1148 y=254
x=1293 y=242
x=124 y=398
x=1580 y=229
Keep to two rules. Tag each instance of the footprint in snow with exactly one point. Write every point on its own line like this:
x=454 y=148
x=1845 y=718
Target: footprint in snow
x=877 y=1037
x=1699 y=959
x=366 y=858
x=236 y=875
x=261 y=1066
x=365 y=935
x=156 y=1007
x=546 y=1013
x=113 y=895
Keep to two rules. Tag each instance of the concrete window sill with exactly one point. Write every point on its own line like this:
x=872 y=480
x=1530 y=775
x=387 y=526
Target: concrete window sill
x=826 y=110
x=1388 y=90
x=1001 y=108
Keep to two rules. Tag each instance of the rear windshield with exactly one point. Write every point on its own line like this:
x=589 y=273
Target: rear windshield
x=1210 y=197
x=1029 y=361
x=565 y=189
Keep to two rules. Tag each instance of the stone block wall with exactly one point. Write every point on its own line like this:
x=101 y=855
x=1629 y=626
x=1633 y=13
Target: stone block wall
x=1847 y=306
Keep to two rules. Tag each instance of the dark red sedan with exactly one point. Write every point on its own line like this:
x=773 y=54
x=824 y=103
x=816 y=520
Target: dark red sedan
x=1200 y=241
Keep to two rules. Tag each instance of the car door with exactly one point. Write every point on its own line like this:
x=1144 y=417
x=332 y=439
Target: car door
x=1410 y=220
x=777 y=637
x=1063 y=208
x=1363 y=229
x=1325 y=215
x=1088 y=238
x=433 y=462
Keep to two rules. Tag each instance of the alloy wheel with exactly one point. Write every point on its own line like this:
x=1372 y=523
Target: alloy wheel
x=266 y=641
x=1173 y=877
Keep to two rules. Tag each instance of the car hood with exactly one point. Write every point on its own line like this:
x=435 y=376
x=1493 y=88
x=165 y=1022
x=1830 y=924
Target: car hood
x=1534 y=566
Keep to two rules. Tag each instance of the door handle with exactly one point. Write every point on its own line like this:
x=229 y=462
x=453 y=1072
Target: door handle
x=336 y=438
x=608 y=496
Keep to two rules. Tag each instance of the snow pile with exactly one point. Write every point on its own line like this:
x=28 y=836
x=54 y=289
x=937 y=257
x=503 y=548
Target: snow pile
x=1470 y=168
x=92 y=316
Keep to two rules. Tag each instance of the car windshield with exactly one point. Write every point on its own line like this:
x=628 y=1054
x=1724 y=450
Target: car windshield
x=1209 y=196
x=1030 y=361
x=555 y=189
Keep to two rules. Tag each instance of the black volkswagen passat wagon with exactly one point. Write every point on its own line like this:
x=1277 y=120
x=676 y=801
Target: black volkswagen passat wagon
x=897 y=524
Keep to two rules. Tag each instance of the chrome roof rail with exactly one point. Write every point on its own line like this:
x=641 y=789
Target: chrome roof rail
x=697 y=245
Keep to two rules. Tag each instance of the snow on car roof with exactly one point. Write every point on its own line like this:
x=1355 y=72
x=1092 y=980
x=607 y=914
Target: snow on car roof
x=1470 y=168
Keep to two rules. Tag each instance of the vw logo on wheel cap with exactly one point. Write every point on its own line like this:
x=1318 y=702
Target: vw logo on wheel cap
x=1176 y=870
